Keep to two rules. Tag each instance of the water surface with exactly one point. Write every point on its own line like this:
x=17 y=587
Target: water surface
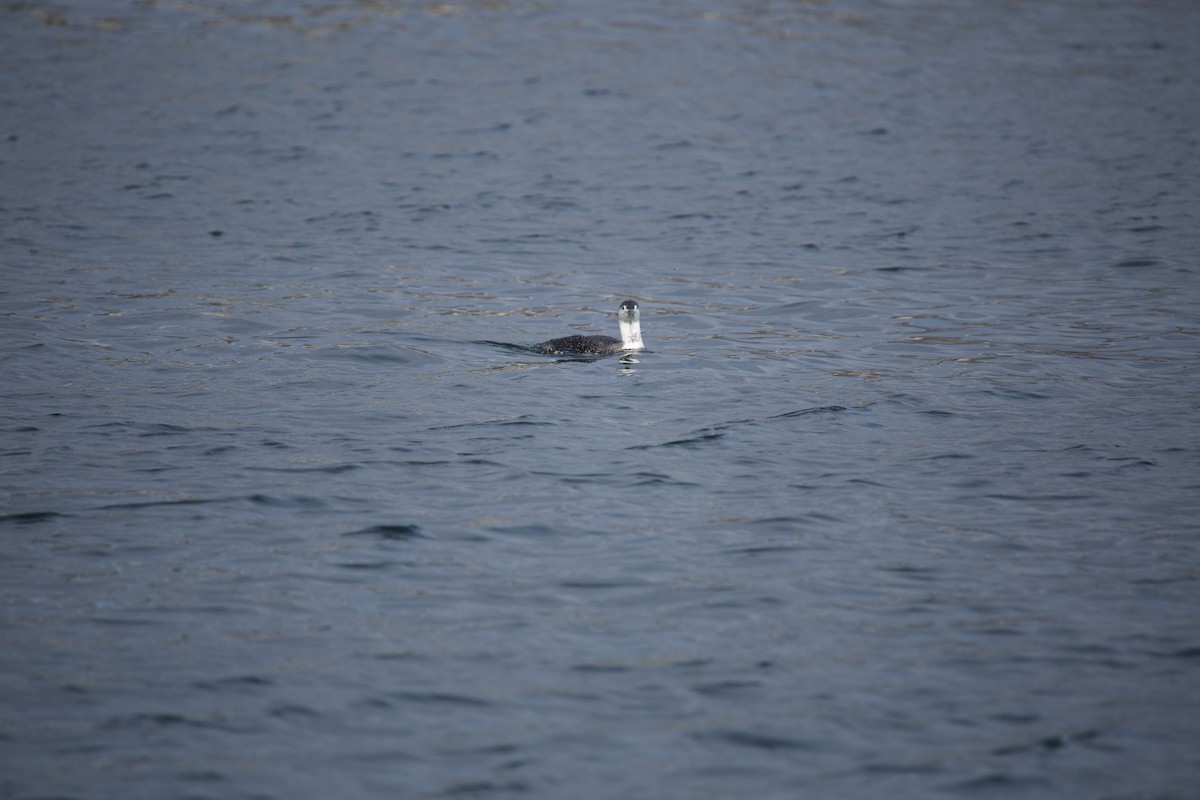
x=900 y=501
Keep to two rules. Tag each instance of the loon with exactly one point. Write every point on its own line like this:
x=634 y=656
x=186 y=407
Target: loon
x=631 y=338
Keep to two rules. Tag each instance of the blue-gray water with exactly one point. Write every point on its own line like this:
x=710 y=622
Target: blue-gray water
x=901 y=501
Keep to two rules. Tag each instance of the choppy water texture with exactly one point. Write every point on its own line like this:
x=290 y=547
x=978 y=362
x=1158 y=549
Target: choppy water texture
x=901 y=501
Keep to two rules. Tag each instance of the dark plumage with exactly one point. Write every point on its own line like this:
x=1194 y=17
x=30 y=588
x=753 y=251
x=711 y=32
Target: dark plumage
x=580 y=345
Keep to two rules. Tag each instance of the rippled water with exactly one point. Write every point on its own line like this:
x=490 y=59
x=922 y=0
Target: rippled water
x=900 y=501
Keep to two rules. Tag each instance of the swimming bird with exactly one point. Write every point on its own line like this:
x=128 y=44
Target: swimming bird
x=631 y=337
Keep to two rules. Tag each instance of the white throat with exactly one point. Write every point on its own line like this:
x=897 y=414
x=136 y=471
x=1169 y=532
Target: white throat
x=631 y=332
